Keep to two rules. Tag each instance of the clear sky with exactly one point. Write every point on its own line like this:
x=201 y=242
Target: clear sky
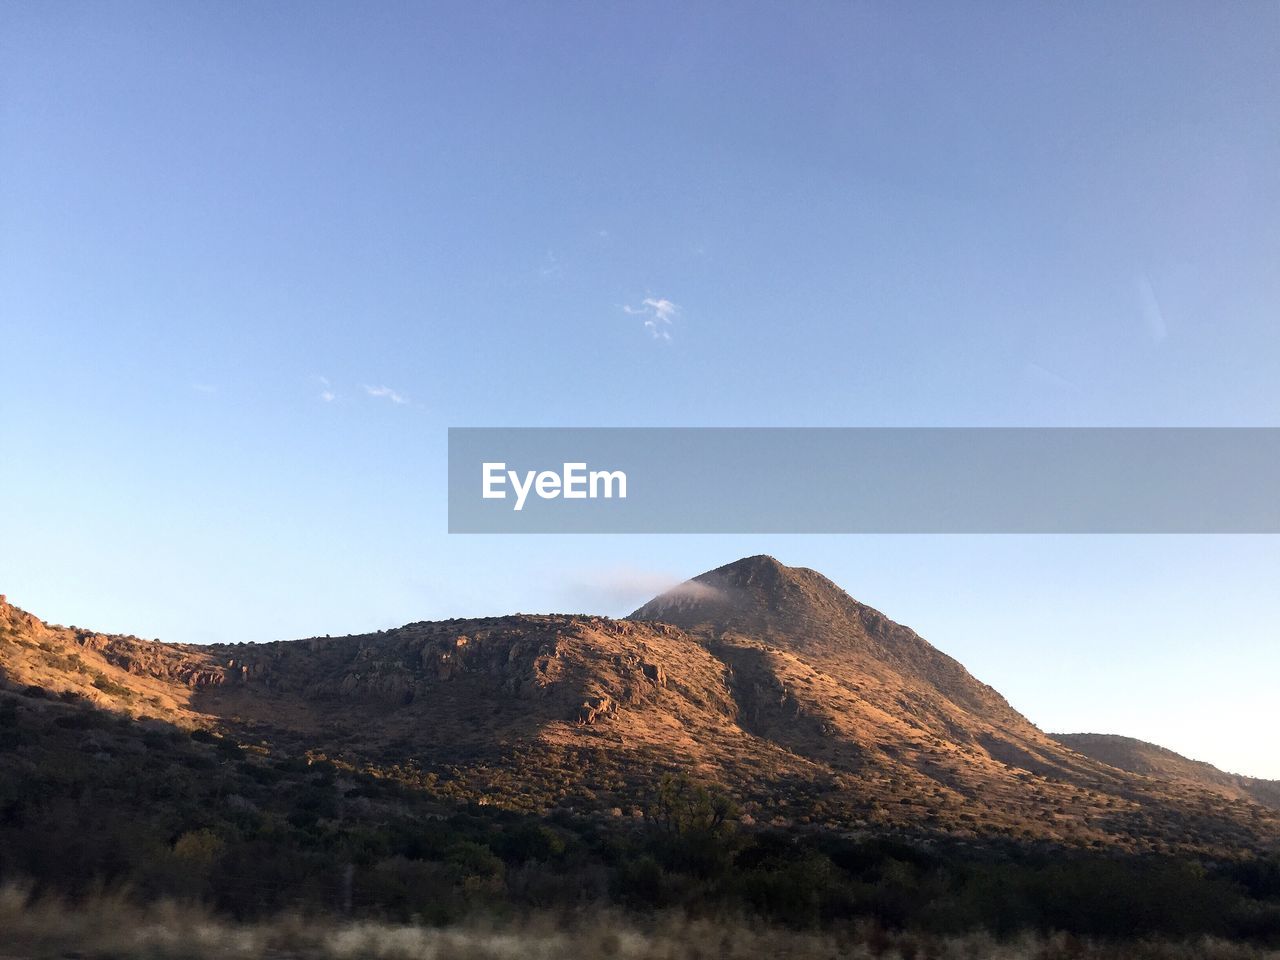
x=255 y=259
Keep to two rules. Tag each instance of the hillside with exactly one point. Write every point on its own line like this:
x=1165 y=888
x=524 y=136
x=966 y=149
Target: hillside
x=810 y=708
x=1149 y=760
x=882 y=686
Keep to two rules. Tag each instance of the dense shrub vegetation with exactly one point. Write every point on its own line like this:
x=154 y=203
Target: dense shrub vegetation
x=90 y=801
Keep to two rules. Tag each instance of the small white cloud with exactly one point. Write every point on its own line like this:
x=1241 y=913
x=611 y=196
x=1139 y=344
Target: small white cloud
x=204 y=388
x=326 y=394
x=386 y=393
x=659 y=314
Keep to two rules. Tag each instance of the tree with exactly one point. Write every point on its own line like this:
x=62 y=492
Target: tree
x=696 y=823
x=680 y=807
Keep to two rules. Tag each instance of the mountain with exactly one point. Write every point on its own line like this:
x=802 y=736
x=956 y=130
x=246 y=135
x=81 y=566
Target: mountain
x=810 y=708
x=1149 y=760
x=758 y=604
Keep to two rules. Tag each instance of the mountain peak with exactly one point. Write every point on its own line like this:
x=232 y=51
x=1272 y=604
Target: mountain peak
x=751 y=568
x=754 y=594
x=756 y=561
x=799 y=610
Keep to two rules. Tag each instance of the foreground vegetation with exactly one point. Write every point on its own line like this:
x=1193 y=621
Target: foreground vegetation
x=107 y=824
x=105 y=927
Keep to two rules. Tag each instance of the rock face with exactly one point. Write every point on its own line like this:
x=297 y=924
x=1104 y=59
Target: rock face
x=768 y=679
x=103 y=668
x=525 y=658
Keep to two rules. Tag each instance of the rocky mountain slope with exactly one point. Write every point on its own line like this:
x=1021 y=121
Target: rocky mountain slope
x=762 y=616
x=812 y=709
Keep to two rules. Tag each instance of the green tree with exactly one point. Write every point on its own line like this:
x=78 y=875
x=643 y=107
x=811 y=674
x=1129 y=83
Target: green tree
x=680 y=807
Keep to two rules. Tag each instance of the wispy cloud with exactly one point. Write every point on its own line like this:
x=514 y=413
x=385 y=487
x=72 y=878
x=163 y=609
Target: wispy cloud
x=204 y=388
x=617 y=590
x=1151 y=312
x=386 y=393
x=326 y=393
x=658 y=313
x=1042 y=374
x=550 y=266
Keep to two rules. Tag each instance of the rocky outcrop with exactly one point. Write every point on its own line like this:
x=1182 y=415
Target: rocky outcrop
x=596 y=708
x=192 y=668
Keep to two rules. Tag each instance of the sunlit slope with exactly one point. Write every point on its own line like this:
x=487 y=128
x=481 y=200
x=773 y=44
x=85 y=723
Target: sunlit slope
x=808 y=706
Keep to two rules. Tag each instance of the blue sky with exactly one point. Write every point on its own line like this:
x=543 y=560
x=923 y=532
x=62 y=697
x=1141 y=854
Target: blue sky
x=254 y=260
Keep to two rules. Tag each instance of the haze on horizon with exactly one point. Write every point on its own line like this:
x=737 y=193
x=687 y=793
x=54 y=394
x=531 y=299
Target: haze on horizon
x=254 y=263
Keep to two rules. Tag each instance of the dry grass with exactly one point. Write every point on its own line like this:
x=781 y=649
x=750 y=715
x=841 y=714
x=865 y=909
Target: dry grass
x=112 y=927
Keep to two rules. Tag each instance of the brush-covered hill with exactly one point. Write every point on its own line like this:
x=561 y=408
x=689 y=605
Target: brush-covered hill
x=1150 y=760
x=810 y=708
x=890 y=686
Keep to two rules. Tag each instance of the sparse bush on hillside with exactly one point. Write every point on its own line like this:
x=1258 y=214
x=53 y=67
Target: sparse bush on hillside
x=111 y=688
